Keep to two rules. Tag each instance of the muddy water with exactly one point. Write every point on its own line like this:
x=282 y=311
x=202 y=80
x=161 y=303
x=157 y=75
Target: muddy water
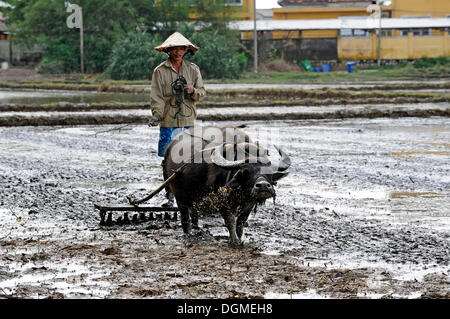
x=368 y=195
x=55 y=96
x=317 y=86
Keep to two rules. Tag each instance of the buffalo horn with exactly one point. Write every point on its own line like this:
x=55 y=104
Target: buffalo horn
x=250 y=151
x=285 y=161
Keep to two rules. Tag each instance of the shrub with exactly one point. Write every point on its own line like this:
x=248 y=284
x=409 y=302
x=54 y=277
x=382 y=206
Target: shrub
x=60 y=58
x=431 y=62
x=134 y=57
x=220 y=54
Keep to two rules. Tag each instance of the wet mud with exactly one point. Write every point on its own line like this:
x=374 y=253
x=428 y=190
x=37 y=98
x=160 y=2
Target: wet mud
x=36 y=83
x=38 y=107
x=364 y=213
x=236 y=113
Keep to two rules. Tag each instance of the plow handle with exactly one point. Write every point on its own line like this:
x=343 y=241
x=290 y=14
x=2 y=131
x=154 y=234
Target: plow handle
x=135 y=202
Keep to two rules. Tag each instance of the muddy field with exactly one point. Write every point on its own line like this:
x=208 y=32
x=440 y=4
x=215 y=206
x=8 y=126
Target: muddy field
x=364 y=213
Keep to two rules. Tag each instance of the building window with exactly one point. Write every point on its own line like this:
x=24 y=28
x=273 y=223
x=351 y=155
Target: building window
x=353 y=33
x=356 y=33
x=345 y=33
x=417 y=32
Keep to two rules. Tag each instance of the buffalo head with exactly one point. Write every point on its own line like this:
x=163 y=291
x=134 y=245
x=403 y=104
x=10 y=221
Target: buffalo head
x=255 y=173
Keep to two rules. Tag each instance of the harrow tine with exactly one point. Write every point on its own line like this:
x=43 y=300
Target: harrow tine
x=109 y=220
x=139 y=215
x=142 y=217
x=102 y=217
x=126 y=220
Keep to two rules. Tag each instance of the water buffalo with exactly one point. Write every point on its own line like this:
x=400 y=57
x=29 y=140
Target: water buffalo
x=220 y=170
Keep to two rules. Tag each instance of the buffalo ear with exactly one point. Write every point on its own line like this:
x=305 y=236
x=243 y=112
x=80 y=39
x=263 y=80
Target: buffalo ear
x=235 y=179
x=239 y=177
x=245 y=173
x=278 y=175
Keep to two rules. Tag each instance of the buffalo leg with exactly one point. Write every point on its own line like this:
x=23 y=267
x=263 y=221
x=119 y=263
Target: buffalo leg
x=230 y=223
x=242 y=218
x=185 y=220
x=194 y=219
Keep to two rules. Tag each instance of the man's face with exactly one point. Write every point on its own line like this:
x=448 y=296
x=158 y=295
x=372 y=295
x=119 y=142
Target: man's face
x=177 y=53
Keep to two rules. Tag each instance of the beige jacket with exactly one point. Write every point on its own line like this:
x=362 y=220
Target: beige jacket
x=161 y=97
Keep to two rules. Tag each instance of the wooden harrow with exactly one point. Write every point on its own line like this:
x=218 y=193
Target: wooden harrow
x=142 y=217
x=133 y=206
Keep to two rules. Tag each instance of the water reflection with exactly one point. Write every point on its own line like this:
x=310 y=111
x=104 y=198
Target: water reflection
x=396 y=194
x=54 y=96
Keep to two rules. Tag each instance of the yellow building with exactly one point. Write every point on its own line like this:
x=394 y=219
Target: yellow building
x=335 y=9
x=313 y=9
x=363 y=44
x=405 y=43
x=420 y=8
x=244 y=8
x=239 y=9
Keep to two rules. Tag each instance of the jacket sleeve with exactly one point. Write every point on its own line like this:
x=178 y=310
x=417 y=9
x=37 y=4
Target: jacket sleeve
x=156 y=95
x=199 y=87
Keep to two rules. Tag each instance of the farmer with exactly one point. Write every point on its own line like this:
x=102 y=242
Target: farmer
x=176 y=87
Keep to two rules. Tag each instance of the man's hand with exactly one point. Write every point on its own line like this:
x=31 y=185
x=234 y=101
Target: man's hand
x=153 y=121
x=189 y=89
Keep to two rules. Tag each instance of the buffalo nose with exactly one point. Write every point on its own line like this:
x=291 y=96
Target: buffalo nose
x=263 y=186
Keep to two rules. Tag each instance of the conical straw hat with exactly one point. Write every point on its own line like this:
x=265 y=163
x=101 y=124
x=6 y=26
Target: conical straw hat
x=175 y=40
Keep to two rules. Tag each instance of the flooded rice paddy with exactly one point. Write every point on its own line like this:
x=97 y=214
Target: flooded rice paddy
x=56 y=96
x=364 y=213
x=46 y=96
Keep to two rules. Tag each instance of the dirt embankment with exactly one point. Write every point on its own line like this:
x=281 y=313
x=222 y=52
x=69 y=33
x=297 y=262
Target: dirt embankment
x=93 y=118
x=232 y=105
x=245 y=98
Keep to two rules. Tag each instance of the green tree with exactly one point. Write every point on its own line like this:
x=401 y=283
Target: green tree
x=44 y=22
x=119 y=35
x=221 y=55
x=134 y=57
x=161 y=16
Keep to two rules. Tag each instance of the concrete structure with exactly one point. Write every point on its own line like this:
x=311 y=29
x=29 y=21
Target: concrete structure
x=243 y=8
x=363 y=47
x=394 y=48
x=341 y=24
x=264 y=14
x=411 y=29
x=5 y=43
x=240 y=9
x=316 y=9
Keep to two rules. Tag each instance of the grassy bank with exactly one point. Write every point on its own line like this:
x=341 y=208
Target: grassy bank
x=426 y=68
x=422 y=69
x=360 y=75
